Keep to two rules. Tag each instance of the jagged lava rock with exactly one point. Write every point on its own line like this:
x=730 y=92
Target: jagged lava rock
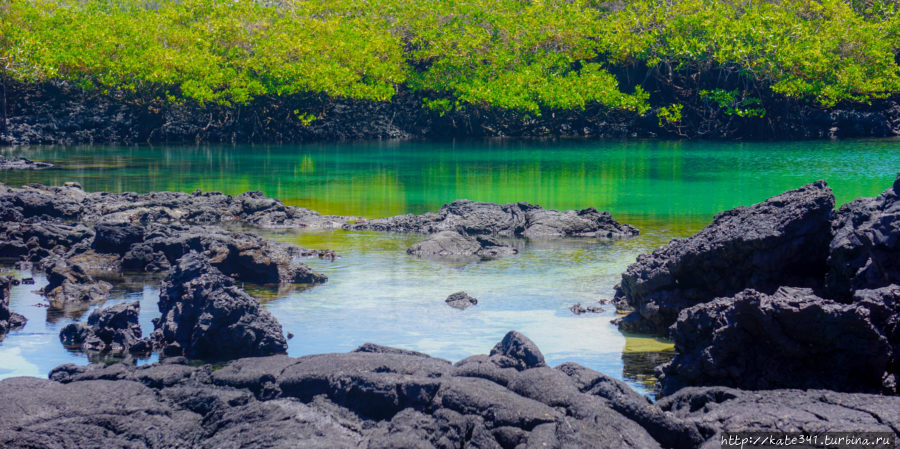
x=511 y=219
x=452 y=245
x=9 y=321
x=461 y=300
x=865 y=251
x=70 y=286
x=205 y=316
x=790 y=339
x=782 y=241
x=113 y=332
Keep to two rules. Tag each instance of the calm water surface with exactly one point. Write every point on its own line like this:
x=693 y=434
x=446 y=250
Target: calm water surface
x=377 y=293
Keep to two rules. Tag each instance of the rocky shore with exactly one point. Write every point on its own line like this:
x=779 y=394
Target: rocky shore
x=378 y=397
x=785 y=317
x=61 y=113
x=788 y=293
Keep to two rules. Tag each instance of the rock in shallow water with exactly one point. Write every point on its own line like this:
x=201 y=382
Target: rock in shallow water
x=782 y=241
x=110 y=332
x=790 y=339
x=22 y=163
x=206 y=316
x=511 y=219
x=9 y=321
x=461 y=300
x=453 y=245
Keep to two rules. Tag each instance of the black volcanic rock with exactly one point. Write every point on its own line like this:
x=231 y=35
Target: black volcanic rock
x=790 y=339
x=461 y=300
x=110 y=332
x=387 y=398
x=205 y=316
x=865 y=252
x=453 y=245
x=22 y=163
x=9 y=321
x=782 y=241
x=70 y=287
x=511 y=219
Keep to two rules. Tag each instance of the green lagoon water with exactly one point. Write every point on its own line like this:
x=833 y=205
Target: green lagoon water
x=377 y=293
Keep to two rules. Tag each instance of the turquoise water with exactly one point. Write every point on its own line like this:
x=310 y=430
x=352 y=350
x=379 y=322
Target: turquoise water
x=377 y=293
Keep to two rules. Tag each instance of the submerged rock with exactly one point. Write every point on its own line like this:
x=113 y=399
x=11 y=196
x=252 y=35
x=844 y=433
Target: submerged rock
x=22 y=163
x=782 y=241
x=790 y=339
x=205 y=316
x=865 y=252
x=461 y=300
x=511 y=219
x=386 y=397
x=110 y=332
x=9 y=321
x=450 y=245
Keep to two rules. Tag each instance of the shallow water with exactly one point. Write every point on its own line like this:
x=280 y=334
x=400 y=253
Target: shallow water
x=377 y=293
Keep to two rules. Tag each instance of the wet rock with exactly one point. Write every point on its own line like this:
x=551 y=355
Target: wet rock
x=22 y=163
x=205 y=316
x=865 y=252
x=578 y=309
x=460 y=300
x=70 y=287
x=110 y=332
x=511 y=219
x=450 y=244
x=782 y=241
x=790 y=339
x=9 y=321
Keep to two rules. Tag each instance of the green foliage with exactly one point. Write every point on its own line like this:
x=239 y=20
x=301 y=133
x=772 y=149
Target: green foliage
x=531 y=56
x=669 y=114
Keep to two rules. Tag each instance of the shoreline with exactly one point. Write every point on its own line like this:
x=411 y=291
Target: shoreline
x=61 y=114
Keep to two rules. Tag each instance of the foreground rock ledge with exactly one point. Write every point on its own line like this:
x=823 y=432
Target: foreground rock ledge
x=379 y=397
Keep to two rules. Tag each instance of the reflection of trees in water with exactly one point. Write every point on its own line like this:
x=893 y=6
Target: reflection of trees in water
x=641 y=366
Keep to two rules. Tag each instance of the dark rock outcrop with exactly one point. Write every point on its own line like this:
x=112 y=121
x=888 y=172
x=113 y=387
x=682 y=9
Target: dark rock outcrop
x=714 y=410
x=511 y=219
x=9 y=321
x=453 y=245
x=865 y=252
x=22 y=163
x=70 y=287
x=388 y=398
x=461 y=300
x=790 y=339
x=110 y=332
x=205 y=316
x=204 y=208
x=782 y=241
x=579 y=309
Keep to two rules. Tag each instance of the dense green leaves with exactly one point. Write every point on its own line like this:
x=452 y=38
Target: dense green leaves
x=525 y=55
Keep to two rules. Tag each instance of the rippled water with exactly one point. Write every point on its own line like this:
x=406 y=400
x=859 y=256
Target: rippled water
x=377 y=293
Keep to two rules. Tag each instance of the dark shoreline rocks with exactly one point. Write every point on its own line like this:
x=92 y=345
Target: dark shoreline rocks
x=790 y=339
x=522 y=219
x=22 y=163
x=390 y=398
x=453 y=245
x=782 y=241
x=110 y=332
x=206 y=316
x=9 y=321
